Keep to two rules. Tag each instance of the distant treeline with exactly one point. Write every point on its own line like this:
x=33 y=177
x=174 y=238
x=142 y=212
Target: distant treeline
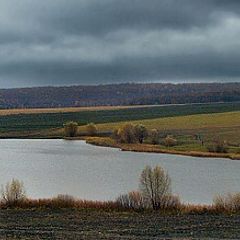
x=119 y=94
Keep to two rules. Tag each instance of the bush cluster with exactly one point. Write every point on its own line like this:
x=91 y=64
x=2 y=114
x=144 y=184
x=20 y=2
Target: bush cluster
x=154 y=192
x=228 y=203
x=218 y=147
x=91 y=129
x=130 y=133
x=13 y=193
x=170 y=141
x=138 y=133
x=71 y=129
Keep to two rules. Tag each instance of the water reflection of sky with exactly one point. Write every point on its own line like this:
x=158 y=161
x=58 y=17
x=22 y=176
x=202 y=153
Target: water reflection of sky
x=50 y=167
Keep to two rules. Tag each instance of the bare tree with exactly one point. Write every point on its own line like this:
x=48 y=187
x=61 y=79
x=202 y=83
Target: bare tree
x=155 y=186
x=13 y=193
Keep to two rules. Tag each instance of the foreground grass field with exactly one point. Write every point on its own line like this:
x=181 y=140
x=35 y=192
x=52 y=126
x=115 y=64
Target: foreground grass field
x=95 y=224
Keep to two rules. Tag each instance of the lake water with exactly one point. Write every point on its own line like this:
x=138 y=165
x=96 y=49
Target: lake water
x=51 y=167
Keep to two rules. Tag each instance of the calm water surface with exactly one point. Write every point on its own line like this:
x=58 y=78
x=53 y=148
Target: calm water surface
x=50 y=167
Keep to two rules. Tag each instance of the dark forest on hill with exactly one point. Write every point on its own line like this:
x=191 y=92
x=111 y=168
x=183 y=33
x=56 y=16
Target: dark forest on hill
x=119 y=94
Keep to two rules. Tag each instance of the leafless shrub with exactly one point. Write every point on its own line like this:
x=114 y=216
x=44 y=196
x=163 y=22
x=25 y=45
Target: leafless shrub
x=154 y=136
x=218 y=147
x=155 y=187
x=126 y=134
x=70 y=129
x=64 y=201
x=123 y=201
x=170 y=141
x=91 y=129
x=13 y=193
x=229 y=202
x=132 y=200
x=170 y=202
x=155 y=192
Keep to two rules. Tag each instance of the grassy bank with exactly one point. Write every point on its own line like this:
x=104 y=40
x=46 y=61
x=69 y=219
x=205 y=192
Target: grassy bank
x=223 y=126
x=108 y=142
x=197 y=121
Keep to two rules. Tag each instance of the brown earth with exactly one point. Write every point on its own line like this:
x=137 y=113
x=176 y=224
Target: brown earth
x=97 y=224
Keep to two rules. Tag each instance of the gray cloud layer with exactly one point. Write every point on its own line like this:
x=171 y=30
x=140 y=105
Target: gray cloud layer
x=63 y=42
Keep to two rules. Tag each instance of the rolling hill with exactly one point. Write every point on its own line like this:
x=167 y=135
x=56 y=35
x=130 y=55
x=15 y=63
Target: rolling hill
x=118 y=95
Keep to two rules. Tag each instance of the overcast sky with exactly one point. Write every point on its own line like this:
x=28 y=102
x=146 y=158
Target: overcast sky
x=66 y=42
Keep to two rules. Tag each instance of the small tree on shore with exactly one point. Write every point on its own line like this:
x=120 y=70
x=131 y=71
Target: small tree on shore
x=154 y=136
x=70 y=129
x=13 y=193
x=130 y=133
x=155 y=186
x=126 y=134
x=91 y=129
x=140 y=132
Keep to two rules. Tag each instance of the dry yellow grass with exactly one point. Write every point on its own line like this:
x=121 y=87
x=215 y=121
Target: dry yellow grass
x=5 y=112
x=225 y=126
x=108 y=142
x=200 y=121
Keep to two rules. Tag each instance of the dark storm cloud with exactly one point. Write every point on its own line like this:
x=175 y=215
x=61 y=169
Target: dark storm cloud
x=56 y=42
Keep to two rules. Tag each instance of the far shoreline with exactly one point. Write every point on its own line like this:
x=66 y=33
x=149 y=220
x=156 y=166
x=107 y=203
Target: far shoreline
x=141 y=148
x=148 y=148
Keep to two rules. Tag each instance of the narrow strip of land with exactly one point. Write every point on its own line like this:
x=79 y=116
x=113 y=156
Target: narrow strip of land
x=211 y=127
x=17 y=111
x=149 y=148
x=6 y=112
